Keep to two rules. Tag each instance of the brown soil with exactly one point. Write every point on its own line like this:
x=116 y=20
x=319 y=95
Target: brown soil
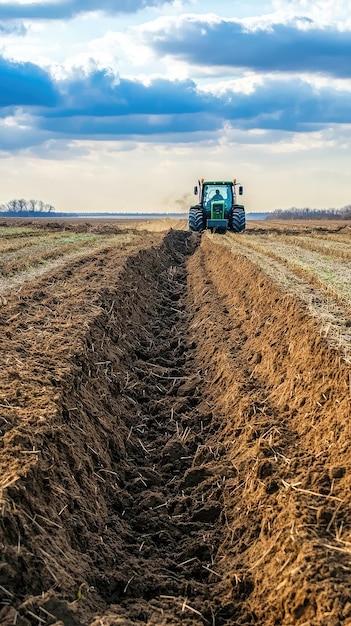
x=175 y=446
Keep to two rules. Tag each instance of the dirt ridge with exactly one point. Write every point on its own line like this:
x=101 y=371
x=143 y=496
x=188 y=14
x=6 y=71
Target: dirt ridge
x=283 y=400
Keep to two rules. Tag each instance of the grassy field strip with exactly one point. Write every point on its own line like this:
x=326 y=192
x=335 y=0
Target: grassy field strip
x=330 y=248
x=15 y=281
x=22 y=259
x=11 y=245
x=16 y=231
x=344 y=238
x=14 y=244
x=329 y=311
x=318 y=269
x=317 y=227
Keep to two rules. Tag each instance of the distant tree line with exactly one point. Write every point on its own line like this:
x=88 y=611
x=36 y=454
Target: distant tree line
x=22 y=208
x=311 y=214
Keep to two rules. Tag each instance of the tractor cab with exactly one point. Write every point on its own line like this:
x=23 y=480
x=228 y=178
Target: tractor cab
x=217 y=193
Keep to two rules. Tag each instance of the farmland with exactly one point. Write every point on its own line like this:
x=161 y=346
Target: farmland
x=175 y=424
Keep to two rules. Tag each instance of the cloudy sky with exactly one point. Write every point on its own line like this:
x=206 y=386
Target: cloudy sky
x=121 y=105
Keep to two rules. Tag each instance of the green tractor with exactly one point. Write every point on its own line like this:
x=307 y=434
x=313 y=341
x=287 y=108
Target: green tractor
x=217 y=209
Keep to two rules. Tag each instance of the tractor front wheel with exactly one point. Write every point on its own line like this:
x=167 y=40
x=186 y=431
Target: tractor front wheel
x=238 y=220
x=196 y=220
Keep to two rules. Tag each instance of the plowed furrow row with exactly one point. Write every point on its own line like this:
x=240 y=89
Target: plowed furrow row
x=178 y=451
x=116 y=505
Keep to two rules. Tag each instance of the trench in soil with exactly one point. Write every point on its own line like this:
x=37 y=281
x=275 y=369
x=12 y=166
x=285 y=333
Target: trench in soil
x=196 y=462
x=111 y=510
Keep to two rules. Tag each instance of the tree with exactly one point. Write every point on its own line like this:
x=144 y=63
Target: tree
x=308 y=214
x=21 y=207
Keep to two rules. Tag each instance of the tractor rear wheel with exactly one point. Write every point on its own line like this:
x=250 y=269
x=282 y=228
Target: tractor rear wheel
x=196 y=220
x=238 y=220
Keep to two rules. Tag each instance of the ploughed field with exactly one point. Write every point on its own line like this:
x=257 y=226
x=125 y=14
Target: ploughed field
x=175 y=424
